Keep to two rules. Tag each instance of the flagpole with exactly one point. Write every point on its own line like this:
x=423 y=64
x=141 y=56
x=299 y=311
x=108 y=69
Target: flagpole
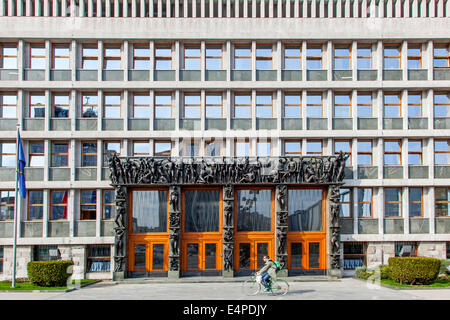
x=13 y=285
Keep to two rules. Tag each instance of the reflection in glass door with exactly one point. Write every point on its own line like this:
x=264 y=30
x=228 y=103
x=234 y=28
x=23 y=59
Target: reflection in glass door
x=251 y=255
x=262 y=249
x=148 y=258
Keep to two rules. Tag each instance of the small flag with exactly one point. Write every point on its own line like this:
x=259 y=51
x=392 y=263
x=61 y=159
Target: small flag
x=64 y=201
x=21 y=168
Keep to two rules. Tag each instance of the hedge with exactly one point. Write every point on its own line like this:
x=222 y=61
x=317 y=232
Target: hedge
x=49 y=273
x=414 y=270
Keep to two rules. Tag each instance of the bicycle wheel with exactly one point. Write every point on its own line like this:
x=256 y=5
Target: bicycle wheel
x=280 y=287
x=251 y=287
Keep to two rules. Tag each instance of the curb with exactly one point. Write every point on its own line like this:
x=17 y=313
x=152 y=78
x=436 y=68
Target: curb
x=50 y=291
x=403 y=288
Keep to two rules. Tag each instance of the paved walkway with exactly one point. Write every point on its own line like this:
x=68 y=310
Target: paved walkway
x=343 y=289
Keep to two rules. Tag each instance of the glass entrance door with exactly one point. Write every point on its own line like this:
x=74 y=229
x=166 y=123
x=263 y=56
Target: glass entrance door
x=251 y=255
x=148 y=258
x=201 y=239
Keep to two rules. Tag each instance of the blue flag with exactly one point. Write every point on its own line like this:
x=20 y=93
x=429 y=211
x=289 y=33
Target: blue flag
x=21 y=169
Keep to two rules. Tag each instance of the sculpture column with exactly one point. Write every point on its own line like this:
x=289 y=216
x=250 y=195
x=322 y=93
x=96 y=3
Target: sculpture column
x=228 y=231
x=281 y=227
x=174 y=231
x=120 y=233
x=333 y=234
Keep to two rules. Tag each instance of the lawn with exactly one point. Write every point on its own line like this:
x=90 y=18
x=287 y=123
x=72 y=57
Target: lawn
x=6 y=285
x=434 y=284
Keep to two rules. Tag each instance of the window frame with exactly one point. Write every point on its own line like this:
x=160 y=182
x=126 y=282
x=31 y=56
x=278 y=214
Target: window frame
x=119 y=106
x=30 y=205
x=214 y=105
x=30 y=109
x=396 y=202
x=364 y=152
x=59 y=204
x=162 y=154
x=85 y=58
x=292 y=154
x=420 y=153
x=258 y=106
x=350 y=203
x=420 y=104
x=11 y=194
x=314 y=58
x=242 y=45
x=442 y=152
x=447 y=57
x=213 y=46
x=59 y=153
x=242 y=105
x=54 y=105
x=264 y=58
x=415 y=202
x=388 y=105
x=2 y=154
x=148 y=106
x=412 y=57
x=313 y=104
x=209 y=141
x=196 y=106
x=398 y=153
x=336 y=94
x=163 y=58
x=349 y=141
x=4 y=45
x=32 y=56
x=102 y=258
x=437 y=93
x=364 y=93
x=292 y=46
x=359 y=203
x=399 y=56
x=110 y=154
x=54 y=56
x=31 y=155
x=265 y=141
x=287 y=94
x=142 y=58
x=88 y=153
x=163 y=105
x=2 y=104
x=310 y=153
x=242 y=140
x=140 y=154
x=195 y=46
x=364 y=46
x=89 y=105
x=349 y=57
x=88 y=204
x=104 y=204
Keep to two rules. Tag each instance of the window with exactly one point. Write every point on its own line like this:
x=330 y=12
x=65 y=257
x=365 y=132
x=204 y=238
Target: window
x=1 y=259
x=415 y=152
x=163 y=105
x=344 y=146
x=111 y=106
x=415 y=202
x=365 y=202
x=162 y=148
x=88 y=204
x=242 y=57
x=58 y=204
x=441 y=202
x=342 y=105
x=253 y=210
x=242 y=148
x=292 y=57
x=110 y=148
x=414 y=56
x=7 y=203
x=392 y=56
x=392 y=202
x=8 y=154
x=354 y=255
x=314 y=147
x=202 y=211
x=46 y=253
x=37 y=105
x=305 y=210
x=314 y=105
x=342 y=57
x=141 y=106
x=364 y=152
x=345 y=209
x=192 y=56
x=149 y=211
x=441 y=56
x=61 y=57
x=213 y=57
x=441 y=152
x=36 y=154
x=364 y=105
x=263 y=148
x=314 y=57
x=213 y=148
x=35 y=204
x=141 y=148
x=141 y=57
x=264 y=107
x=8 y=56
x=163 y=57
x=98 y=258
x=364 y=57
x=190 y=148
x=292 y=105
x=242 y=106
x=392 y=105
x=192 y=106
x=37 y=56
x=60 y=105
x=89 y=107
x=214 y=106
x=447 y=245
x=60 y=154
x=89 y=154
x=264 y=57
x=8 y=105
x=405 y=249
x=109 y=205
x=293 y=148
x=89 y=59
x=392 y=152
x=414 y=104
x=441 y=104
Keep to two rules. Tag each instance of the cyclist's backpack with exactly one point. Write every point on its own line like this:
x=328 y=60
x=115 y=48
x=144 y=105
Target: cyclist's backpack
x=277 y=264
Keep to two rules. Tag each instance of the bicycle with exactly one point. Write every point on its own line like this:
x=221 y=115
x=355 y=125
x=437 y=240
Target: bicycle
x=254 y=285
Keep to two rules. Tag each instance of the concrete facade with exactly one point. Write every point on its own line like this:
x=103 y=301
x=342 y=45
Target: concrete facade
x=228 y=23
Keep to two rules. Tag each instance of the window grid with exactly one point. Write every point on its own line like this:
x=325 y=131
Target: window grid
x=415 y=57
x=58 y=56
x=60 y=109
x=164 y=153
x=141 y=59
x=395 y=59
x=363 y=203
x=364 y=154
x=296 y=107
x=56 y=158
x=361 y=57
x=262 y=58
x=312 y=58
x=392 y=109
x=214 y=108
x=164 y=108
x=61 y=203
x=37 y=60
x=393 y=203
x=88 y=204
x=393 y=156
x=88 y=56
x=342 y=110
x=441 y=60
x=4 y=57
x=89 y=110
x=111 y=56
x=344 y=58
x=415 y=202
x=36 y=153
x=262 y=109
x=297 y=59
x=89 y=154
x=109 y=152
x=414 y=104
x=161 y=58
x=111 y=109
x=210 y=57
x=33 y=205
x=239 y=106
x=414 y=153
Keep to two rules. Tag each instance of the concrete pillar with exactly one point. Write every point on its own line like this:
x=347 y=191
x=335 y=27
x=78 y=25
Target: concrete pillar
x=174 y=232
x=228 y=236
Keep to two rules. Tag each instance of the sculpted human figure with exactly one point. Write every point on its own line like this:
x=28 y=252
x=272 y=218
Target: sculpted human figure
x=228 y=258
x=228 y=214
x=179 y=171
x=174 y=199
x=173 y=236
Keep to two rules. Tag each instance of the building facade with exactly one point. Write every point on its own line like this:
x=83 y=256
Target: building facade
x=214 y=79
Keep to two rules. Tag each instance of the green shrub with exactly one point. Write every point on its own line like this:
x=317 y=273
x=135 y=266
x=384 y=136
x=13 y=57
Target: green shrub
x=445 y=263
x=49 y=273
x=414 y=270
x=362 y=273
x=385 y=272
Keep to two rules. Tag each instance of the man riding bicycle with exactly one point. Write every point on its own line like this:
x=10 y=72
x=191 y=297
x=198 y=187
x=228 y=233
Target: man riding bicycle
x=267 y=272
